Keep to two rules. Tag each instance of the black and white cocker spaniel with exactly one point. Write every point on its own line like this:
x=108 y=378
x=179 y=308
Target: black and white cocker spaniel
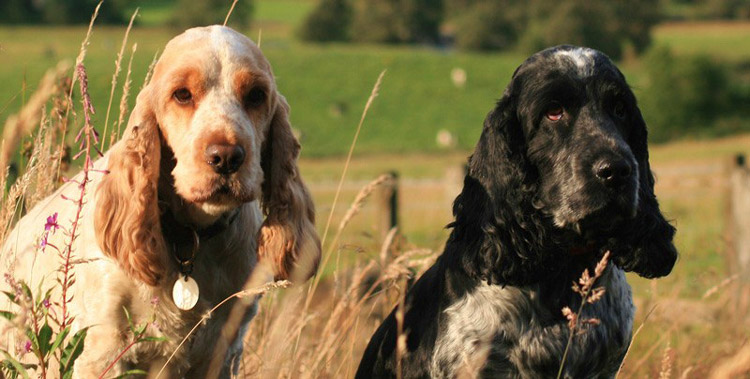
x=559 y=177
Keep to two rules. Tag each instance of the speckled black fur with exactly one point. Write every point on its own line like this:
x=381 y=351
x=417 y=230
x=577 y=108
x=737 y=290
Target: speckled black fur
x=530 y=198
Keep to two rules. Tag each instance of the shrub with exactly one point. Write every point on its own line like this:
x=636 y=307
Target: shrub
x=537 y=24
x=18 y=11
x=634 y=20
x=420 y=20
x=397 y=21
x=727 y=9
x=684 y=95
x=190 y=13
x=60 y=11
x=488 y=25
x=372 y=21
x=605 y=26
x=329 y=21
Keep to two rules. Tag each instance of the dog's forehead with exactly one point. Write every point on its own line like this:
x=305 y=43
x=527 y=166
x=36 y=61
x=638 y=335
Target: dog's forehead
x=219 y=40
x=213 y=50
x=583 y=59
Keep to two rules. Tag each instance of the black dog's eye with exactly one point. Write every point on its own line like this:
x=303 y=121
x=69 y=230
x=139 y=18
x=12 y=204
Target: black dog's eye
x=255 y=97
x=555 y=112
x=182 y=96
x=619 y=110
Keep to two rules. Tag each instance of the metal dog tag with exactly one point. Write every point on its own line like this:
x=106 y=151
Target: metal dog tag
x=185 y=293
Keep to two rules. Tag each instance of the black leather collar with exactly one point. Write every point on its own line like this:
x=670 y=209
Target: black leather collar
x=184 y=240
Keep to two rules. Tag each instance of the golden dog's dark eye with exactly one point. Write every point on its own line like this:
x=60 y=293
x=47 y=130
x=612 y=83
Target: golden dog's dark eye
x=182 y=96
x=619 y=110
x=255 y=97
x=555 y=112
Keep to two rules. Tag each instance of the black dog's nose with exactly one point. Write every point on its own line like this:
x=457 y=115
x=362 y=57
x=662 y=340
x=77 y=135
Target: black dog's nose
x=225 y=159
x=613 y=172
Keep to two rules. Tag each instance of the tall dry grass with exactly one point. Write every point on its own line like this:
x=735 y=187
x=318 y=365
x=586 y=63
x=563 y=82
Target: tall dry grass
x=319 y=329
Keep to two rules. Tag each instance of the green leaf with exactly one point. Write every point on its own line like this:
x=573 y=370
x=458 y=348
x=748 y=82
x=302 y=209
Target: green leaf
x=26 y=290
x=131 y=372
x=130 y=321
x=38 y=295
x=11 y=296
x=139 y=330
x=71 y=352
x=45 y=336
x=8 y=370
x=17 y=367
x=8 y=315
x=60 y=338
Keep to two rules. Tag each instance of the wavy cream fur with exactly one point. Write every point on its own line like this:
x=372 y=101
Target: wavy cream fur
x=159 y=167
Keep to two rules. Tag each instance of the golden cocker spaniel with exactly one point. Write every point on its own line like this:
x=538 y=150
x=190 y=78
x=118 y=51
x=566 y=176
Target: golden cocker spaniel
x=207 y=155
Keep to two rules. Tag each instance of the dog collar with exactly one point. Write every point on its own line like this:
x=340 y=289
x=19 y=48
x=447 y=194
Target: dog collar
x=219 y=226
x=182 y=238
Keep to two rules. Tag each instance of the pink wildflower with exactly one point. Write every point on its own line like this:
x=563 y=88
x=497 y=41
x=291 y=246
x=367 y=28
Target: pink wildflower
x=51 y=224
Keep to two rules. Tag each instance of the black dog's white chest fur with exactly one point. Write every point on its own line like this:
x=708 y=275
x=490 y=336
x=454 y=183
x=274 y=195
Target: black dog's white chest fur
x=495 y=330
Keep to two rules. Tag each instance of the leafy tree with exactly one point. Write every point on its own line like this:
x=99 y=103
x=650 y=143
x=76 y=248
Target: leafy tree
x=18 y=11
x=535 y=24
x=455 y=8
x=488 y=24
x=420 y=20
x=397 y=21
x=684 y=95
x=575 y=22
x=606 y=26
x=61 y=11
x=728 y=9
x=190 y=13
x=80 y=11
x=373 y=21
x=329 y=21
x=634 y=20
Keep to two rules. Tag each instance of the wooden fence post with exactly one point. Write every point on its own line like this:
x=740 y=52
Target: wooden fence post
x=387 y=205
x=740 y=217
x=454 y=182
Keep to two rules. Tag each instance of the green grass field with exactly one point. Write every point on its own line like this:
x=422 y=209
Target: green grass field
x=328 y=84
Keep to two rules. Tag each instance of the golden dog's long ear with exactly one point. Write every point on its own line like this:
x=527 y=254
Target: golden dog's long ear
x=127 y=214
x=288 y=240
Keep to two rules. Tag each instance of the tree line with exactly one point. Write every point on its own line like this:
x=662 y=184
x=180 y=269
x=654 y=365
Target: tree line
x=187 y=13
x=610 y=26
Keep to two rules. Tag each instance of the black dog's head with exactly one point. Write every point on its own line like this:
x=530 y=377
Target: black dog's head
x=562 y=165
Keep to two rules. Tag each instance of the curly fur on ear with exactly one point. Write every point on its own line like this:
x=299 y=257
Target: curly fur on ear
x=127 y=215
x=501 y=236
x=498 y=235
x=648 y=250
x=287 y=237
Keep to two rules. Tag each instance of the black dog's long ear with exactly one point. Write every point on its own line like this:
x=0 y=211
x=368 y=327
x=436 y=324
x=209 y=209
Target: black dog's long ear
x=496 y=234
x=649 y=250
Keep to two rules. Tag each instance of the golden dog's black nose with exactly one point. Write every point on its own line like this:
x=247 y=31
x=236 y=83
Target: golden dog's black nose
x=225 y=159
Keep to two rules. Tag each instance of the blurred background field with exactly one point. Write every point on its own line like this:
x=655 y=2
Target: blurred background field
x=328 y=83
x=692 y=79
